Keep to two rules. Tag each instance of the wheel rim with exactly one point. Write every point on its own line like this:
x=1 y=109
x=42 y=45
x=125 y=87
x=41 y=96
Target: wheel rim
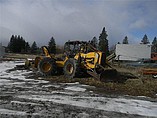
x=70 y=68
x=46 y=67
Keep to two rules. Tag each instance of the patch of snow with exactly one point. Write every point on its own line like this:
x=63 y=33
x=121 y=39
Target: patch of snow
x=142 y=96
x=6 y=65
x=18 y=102
x=75 y=83
x=12 y=112
x=155 y=76
x=56 y=86
x=75 y=88
x=4 y=82
x=17 y=113
x=122 y=105
x=46 y=86
x=29 y=59
x=17 y=83
x=42 y=81
x=40 y=78
x=86 y=85
x=11 y=77
x=19 y=62
x=63 y=93
x=51 y=85
x=15 y=75
x=83 y=115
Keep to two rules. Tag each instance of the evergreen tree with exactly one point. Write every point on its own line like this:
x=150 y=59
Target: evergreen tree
x=10 y=45
x=125 y=40
x=94 y=42
x=52 y=46
x=145 y=40
x=154 y=41
x=17 y=44
x=103 y=42
x=20 y=45
x=154 y=45
x=27 y=47
x=34 y=48
x=13 y=44
x=23 y=43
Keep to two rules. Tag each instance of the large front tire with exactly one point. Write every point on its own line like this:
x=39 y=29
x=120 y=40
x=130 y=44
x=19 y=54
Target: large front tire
x=70 y=68
x=47 y=67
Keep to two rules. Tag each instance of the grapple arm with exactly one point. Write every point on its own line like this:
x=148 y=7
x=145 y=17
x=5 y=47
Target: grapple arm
x=46 y=51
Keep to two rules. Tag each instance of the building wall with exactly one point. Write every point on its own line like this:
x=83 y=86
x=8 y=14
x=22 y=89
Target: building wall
x=128 y=52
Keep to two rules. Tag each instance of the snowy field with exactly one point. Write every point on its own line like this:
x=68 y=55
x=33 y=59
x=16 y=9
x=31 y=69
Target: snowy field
x=22 y=95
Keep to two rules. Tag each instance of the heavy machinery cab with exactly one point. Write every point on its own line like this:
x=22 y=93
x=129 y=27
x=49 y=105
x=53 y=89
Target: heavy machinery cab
x=88 y=57
x=71 y=48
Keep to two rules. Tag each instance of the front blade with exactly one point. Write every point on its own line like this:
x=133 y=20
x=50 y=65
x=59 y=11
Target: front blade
x=108 y=75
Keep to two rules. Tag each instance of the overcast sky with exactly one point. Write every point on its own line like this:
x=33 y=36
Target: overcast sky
x=39 y=20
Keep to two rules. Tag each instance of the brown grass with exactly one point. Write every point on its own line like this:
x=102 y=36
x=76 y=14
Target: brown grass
x=19 y=56
x=134 y=87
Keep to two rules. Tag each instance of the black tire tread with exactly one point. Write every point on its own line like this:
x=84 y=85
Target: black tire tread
x=52 y=71
x=76 y=68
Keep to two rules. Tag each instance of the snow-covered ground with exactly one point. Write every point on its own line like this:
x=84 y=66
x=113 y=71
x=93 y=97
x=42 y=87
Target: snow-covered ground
x=21 y=96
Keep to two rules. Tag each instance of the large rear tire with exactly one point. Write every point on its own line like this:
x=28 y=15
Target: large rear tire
x=70 y=68
x=47 y=67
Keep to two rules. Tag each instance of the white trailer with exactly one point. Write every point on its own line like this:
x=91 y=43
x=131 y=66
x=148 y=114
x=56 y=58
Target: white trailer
x=130 y=52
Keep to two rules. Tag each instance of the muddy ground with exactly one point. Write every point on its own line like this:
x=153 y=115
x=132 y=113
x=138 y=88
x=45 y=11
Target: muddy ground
x=25 y=95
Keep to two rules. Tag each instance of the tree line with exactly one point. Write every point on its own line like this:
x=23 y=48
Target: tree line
x=18 y=44
x=144 y=40
x=102 y=43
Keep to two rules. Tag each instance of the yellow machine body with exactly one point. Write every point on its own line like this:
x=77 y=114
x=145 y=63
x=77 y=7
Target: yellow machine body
x=83 y=55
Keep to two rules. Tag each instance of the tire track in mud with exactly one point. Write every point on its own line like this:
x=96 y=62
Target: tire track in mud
x=22 y=95
x=25 y=108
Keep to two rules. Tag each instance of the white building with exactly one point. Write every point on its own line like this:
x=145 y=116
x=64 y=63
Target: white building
x=130 y=52
x=2 y=50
